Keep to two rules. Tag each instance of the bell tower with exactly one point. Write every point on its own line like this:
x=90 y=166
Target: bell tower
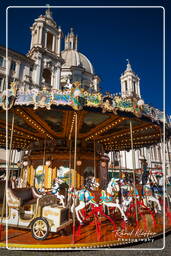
x=130 y=83
x=45 y=49
x=71 y=41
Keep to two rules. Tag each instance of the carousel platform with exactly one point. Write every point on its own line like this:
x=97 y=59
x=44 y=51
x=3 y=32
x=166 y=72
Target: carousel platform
x=88 y=237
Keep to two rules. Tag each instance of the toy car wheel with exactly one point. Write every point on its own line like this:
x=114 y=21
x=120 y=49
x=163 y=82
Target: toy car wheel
x=40 y=228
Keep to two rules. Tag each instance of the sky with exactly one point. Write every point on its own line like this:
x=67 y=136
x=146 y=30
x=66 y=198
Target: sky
x=107 y=36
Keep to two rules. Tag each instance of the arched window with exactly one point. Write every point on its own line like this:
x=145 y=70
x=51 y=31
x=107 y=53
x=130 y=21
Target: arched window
x=13 y=65
x=134 y=86
x=47 y=76
x=1 y=61
x=126 y=86
x=49 y=41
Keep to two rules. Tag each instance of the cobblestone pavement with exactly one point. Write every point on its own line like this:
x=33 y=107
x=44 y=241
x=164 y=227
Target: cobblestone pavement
x=157 y=243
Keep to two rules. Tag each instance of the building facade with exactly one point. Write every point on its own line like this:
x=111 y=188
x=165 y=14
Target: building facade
x=46 y=65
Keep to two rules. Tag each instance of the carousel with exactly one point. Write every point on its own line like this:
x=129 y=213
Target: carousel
x=62 y=195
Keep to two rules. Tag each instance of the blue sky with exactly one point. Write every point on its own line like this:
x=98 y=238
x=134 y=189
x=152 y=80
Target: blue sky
x=108 y=37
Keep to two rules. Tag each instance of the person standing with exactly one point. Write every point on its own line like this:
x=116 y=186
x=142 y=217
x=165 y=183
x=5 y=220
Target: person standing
x=145 y=173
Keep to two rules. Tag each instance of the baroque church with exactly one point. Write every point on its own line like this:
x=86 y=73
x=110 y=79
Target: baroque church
x=46 y=65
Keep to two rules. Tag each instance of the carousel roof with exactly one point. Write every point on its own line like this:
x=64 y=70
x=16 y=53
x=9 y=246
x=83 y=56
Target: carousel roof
x=104 y=119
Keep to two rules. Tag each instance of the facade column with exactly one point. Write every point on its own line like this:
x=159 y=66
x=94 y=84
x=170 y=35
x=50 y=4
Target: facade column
x=53 y=44
x=53 y=78
x=45 y=40
x=38 y=70
x=37 y=36
x=9 y=66
x=17 y=70
x=95 y=83
x=138 y=88
x=2 y=86
x=129 y=86
x=40 y=34
x=31 y=44
x=57 y=79
x=58 y=43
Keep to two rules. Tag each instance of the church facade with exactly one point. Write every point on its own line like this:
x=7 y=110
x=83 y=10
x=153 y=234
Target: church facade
x=46 y=65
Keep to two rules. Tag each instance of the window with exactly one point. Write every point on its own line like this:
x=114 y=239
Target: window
x=47 y=76
x=134 y=86
x=126 y=86
x=49 y=41
x=31 y=68
x=1 y=81
x=1 y=61
x=2 y=84
x=13 y=65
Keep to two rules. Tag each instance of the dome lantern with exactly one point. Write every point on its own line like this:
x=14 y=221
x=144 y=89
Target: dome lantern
x=71 y=41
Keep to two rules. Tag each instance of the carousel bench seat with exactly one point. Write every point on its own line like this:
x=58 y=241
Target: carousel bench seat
x=22 y=196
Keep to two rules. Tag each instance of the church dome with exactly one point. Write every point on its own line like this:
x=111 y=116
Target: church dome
x=74 y=58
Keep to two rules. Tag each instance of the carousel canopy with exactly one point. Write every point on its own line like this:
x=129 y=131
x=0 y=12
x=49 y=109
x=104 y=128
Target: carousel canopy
x=105 y=119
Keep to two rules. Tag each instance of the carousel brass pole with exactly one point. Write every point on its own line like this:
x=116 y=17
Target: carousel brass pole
x=169 y=159
x=70 y=159
x=7 y=172
x=125 y=160
x=21 y=156
x=74 y=177
x=113 y=164
x=13 y=162
x=75 y=150
x=44 y=153
x=133 y=163
x=95 y=175
x=166 y=187
x=44 y=156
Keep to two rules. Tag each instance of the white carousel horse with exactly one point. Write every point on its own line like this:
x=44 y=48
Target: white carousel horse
x=127 y=190
x=86 y=197
x=107 y=196
x=113 y=188
x=149 y=197
x=56 y=191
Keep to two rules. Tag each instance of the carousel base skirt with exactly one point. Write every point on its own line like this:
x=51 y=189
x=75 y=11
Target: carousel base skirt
x=90 y=235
